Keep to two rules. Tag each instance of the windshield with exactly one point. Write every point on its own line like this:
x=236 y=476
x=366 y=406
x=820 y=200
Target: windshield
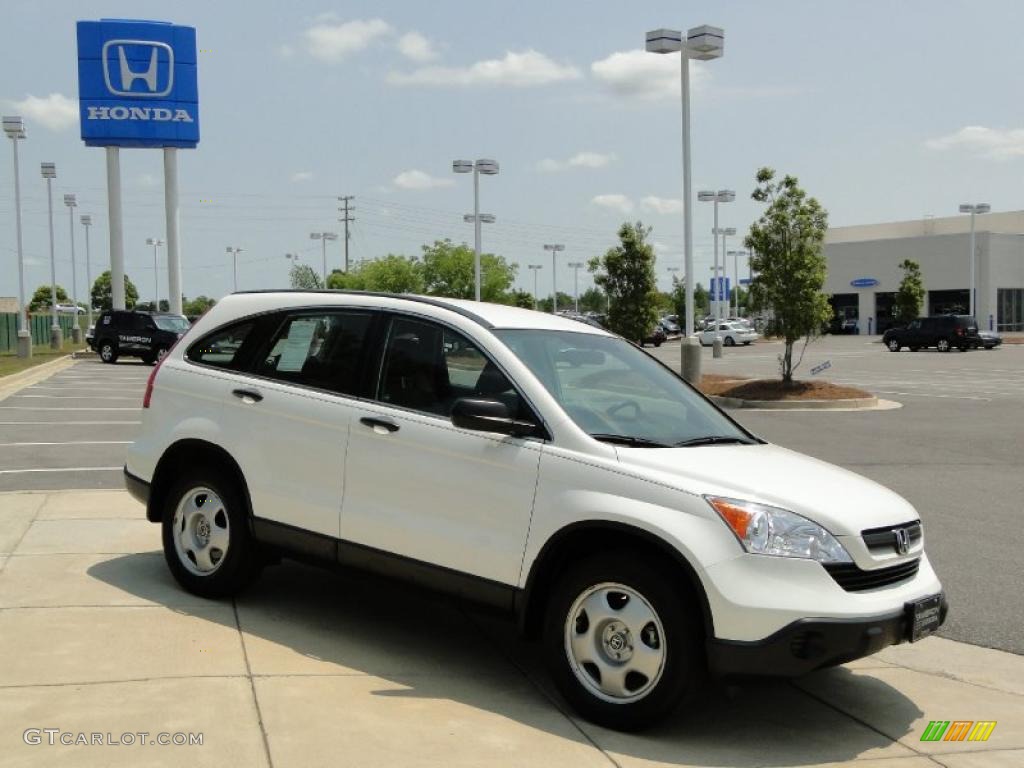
x=174 y=323
x=616 y=392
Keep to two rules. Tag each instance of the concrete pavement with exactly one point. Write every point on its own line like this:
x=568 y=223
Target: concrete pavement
x=313 y=668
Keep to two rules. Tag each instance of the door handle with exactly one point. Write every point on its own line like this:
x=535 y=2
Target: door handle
x=247 y=395
x=379 y=424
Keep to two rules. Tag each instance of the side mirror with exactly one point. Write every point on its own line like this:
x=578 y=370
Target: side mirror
x=485 y=415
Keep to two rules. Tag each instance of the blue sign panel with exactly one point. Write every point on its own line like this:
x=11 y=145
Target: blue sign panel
x=137 y=84
x=720 y=289
x=864 y=282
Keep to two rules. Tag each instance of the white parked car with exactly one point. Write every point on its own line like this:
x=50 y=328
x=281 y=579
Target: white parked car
x=531 y=463
x=70 y=309
x=732 y=333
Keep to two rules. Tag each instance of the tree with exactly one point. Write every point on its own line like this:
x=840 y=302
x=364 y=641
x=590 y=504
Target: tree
x=626 y=273
x=593 y=300
x=304 y=277
x=448 y=271
x=789 y=263
x=197 y=306
x=701 y=300
x=43 y=297
x=910 y=295
x=101 y=293
x=391 y=274
x=522 y=299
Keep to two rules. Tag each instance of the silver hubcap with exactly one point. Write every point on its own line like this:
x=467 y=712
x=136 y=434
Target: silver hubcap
x=160 y=353
x=615 y=643
x=106 y=352
x=894 y=346
x=201 y=531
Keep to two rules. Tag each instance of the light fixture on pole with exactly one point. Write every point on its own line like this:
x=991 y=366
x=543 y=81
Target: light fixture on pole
x=973 y=209
x=49 y=171
x=76 y=329
x=534 y=268
x=234 y=265
x=576 y=265
x=323 y=237
x=703 y=44
x=487 y=168
x=86 y=220
x=724 y=288
x=156 y=243
x=554 y=248
x=721 y=196
x=14 y=127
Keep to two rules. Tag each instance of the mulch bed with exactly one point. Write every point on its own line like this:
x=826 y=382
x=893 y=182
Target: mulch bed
x=774 y=389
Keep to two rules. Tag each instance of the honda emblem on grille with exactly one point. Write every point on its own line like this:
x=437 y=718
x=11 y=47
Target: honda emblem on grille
x=902 y=540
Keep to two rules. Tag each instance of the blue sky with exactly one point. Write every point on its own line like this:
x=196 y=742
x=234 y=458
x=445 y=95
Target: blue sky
x=885 y=111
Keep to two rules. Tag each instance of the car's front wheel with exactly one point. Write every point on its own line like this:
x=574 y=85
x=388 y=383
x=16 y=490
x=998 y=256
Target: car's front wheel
x=942 y=345
x=622 y=645
x=894 y=345
x=108 y=352
x=206 y=537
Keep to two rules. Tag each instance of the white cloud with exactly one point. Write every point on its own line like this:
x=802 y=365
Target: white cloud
x=330 y=40
x=415 y=46
x=642 y=75
x=300 y=176
x=993 y=143
x=415 y=179
x=518 y=70
x=664 y=205
x=579 y=160
x=55 y=111
x=284 y=51
x=619 y=203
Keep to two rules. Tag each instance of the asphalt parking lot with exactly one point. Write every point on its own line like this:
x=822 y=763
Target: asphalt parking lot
x=953 y=450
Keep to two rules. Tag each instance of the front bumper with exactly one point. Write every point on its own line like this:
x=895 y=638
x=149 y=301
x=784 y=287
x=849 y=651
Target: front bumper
x=810 y=644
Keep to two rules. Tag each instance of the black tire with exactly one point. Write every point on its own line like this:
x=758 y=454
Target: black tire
x=148 y=359
x=943 y=345
x=914 y=349
x=730 y=341
x=684 y=668
x=241 y=563
x=894 y=345
x=107 y=351
x=962 y=347
x=657 y=343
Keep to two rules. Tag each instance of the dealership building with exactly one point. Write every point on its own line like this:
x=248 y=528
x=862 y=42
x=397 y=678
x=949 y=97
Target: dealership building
x=864 y=273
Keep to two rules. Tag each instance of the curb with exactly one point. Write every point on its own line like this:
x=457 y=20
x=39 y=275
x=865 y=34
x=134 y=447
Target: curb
x=18 y=381
x=83 y=354
x=783 y=405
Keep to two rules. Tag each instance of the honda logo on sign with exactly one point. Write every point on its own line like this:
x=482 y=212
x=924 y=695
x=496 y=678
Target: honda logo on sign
x=152 y=69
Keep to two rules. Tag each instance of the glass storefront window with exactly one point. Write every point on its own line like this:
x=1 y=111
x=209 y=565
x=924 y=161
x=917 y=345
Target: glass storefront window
x=1010 y=302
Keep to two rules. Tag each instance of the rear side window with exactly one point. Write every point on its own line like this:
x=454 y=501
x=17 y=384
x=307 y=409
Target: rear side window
x=220 y=348
x=319 y=349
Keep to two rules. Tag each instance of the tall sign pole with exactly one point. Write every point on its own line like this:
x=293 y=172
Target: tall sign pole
x=171 y=214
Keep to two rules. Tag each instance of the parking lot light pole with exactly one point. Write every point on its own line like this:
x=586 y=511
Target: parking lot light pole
x=703 y=44
x=156 y=243
x=14 y=127
x=234 y=265
x=86 y=220
x=323 y=237
x=721 y=196
x=973 y=209
x=736 y=269
x=49 y=171
x=76 y=330
x=487 y=168
x=534 y=268
x=726 y=232
x=554 y=248
x=294 y=259
x=576 y=284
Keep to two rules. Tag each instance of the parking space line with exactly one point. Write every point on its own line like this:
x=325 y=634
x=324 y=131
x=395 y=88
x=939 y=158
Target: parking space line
x=68 y=423
x=45 y=408
x=59 y=469
x=76 y=397
x=70 y=442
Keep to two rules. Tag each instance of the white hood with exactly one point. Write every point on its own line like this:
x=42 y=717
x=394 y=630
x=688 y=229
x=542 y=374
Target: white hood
x=842 y=501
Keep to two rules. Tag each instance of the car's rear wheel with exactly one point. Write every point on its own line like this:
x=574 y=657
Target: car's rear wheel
x=622 y=644
x=206 y=538
x=914 y=349
x=730 y=341
x=942 y=345
x=894 y=345
x=108 y=352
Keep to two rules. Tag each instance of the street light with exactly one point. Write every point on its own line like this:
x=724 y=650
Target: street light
x=76 y=330
x=323 y=237
x=534 y=268
x=49 y=171
x=554 y=248
x=86 y=220
x=576 y=265
x=736 y=269
x=156 y=243
x=294 y=259
x=973 y=208
x=702 y=43
x=14 y=127
x=488 y=168
x=725 y=232
x=234 y=264
x=721 y=196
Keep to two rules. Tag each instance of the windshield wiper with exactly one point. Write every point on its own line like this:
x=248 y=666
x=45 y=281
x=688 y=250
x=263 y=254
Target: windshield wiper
x=636 y=442
x=713 y=440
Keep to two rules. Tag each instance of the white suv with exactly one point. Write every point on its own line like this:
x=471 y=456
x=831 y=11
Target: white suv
x=529 y=462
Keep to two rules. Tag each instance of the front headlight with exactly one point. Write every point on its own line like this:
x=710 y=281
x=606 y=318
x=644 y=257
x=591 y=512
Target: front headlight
x=765 y=530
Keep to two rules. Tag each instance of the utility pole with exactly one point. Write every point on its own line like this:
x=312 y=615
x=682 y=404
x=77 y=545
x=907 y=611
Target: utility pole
x=344 y=211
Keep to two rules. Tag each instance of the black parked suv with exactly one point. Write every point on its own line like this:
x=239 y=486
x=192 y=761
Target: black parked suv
x=944 y=332
x=132 y=333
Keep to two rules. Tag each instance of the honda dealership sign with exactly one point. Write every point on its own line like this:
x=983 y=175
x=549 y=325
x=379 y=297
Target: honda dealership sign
x=137 y=84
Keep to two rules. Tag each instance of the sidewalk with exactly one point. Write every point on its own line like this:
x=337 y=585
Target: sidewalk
x=311 y=668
